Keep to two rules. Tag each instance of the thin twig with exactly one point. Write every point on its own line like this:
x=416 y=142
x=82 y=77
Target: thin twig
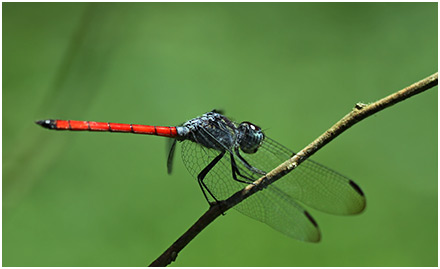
x=359 y=112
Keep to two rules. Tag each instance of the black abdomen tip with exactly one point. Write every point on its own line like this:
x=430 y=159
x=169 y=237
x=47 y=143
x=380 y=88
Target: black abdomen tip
x=49 y=124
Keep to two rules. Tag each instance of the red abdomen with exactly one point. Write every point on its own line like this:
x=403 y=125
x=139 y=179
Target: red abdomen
x=74 y=125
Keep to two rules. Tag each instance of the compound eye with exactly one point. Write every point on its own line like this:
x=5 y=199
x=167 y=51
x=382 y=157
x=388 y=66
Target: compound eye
x=251 y=126
x=250 y=137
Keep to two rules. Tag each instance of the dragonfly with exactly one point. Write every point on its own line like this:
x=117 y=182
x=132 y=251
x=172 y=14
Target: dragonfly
x=224 y=156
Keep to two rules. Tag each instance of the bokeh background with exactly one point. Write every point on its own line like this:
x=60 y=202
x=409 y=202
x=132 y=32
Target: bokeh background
x=101 y=199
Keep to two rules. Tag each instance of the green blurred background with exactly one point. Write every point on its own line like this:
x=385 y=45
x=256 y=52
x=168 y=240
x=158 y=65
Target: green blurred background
x=101 y=199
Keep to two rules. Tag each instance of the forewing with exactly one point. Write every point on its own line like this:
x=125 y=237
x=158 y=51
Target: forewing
x=310 y=183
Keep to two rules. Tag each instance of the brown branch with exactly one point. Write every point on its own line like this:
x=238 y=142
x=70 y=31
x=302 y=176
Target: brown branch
x=360 y=112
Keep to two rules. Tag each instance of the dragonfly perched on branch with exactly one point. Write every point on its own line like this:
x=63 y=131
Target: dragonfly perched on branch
x=224 y=156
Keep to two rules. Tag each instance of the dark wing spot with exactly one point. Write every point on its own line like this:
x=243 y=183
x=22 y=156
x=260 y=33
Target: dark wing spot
x=311 y=219
x=356 y=188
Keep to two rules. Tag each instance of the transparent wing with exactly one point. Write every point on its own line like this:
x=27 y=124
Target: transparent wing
x=310 y=183
x=271 y=205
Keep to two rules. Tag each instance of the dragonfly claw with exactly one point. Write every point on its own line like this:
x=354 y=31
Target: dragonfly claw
x=220 y=206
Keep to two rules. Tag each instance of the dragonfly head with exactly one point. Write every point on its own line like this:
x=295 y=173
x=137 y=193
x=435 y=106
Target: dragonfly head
x=250 y=137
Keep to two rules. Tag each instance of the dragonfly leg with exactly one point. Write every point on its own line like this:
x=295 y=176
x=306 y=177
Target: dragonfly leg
x=248 y=166
x=236 y=171
x=203 y=174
